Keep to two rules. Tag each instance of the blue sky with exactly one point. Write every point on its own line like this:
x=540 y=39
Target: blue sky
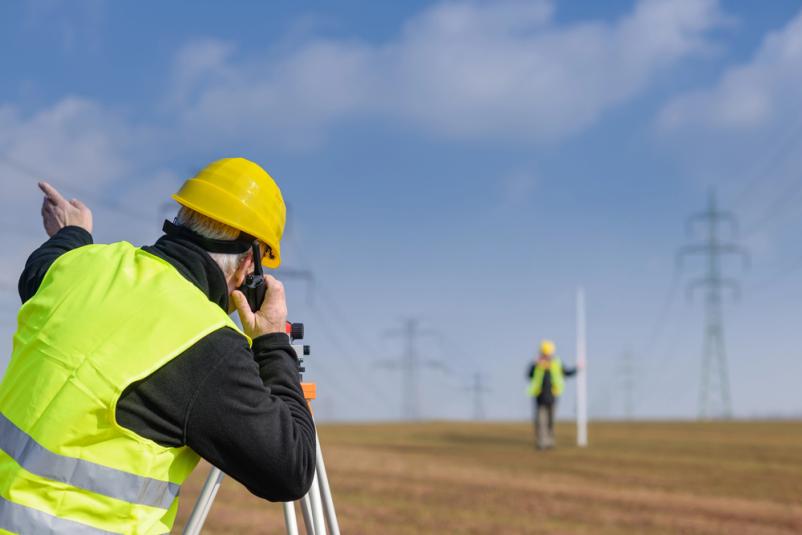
x=465 y=163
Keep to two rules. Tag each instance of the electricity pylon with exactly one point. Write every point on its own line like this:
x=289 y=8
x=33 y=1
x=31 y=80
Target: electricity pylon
x=714 y=388
x=477 y=390
x=410 y=363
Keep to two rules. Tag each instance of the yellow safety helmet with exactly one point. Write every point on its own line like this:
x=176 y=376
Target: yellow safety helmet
x=547 y=348
x=241 y=194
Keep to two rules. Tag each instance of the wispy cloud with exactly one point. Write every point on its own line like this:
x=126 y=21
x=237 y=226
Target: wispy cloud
x=75 y=139
x=73 y=24
x=459 y=70
x=745 y=129
x=749 y=96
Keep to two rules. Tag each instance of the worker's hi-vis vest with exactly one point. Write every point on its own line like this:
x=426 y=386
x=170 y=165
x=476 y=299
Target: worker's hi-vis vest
x=104 y=317
x=557 y=380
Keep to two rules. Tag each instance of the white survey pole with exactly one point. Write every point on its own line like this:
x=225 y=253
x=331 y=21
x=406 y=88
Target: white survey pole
x=582 y=372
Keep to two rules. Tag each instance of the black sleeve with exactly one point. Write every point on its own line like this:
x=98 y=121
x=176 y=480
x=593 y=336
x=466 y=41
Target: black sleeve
x=242 y=410
x=41 y=259
x=250 y=419
x=531 y=372
x=568 y=372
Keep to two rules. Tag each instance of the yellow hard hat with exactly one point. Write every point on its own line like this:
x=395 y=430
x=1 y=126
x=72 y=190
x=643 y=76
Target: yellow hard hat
x=547 y=348
x=239 y=193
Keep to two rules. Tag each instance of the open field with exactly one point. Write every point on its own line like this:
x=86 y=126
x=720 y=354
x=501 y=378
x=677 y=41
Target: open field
x=729 y=477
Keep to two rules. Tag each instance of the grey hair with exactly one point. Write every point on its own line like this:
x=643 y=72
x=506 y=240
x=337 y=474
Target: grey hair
x=208 y=227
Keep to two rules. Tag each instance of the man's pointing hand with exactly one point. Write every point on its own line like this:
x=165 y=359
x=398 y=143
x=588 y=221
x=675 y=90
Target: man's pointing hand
x=58 y=212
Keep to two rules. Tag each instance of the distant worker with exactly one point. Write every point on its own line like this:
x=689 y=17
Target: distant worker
x=127 y=369
x=546 y=375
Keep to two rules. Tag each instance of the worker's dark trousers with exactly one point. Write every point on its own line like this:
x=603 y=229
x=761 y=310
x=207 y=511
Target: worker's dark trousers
x=544 y=424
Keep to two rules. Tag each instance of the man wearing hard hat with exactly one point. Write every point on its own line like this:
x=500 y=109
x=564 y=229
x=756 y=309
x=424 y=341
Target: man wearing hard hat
x=127 y=368
x=546 y=383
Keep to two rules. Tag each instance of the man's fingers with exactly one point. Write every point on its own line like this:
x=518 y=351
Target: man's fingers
x=242 y=306
x=78 y=204
x=51 y=192
x=238 y=298
x=274 y=285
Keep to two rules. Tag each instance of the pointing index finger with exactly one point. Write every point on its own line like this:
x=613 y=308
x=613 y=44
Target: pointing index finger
x=51 y=193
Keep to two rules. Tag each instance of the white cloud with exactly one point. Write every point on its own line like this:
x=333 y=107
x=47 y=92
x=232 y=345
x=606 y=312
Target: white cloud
x=754 y=95
x=86 y=151
x=75 y=144
x=745 y=129
x=463 y=70
x=74 y=141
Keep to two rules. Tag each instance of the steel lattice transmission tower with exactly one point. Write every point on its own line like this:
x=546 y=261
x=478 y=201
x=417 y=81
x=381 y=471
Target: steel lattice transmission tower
x=714 y=388
x=409 y=364
x=478 y=389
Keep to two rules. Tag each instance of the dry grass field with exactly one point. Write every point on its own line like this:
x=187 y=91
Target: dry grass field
x=729 y=477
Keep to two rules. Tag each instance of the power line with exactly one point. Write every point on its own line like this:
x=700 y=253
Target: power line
x=714 y=359
x=367 y=386
x=118 y=208
x=658 y=329
x=776 y=208
x=781 y=274
x=659 y=325
x=410 y=363
x=668 y=362
x=325 y=305
x=477 y=390
x=783 y=146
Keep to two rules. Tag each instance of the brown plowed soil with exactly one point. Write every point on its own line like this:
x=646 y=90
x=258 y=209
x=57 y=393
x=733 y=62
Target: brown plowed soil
x=661 y=478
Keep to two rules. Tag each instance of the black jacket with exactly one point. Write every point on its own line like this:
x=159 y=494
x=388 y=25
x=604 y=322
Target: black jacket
x=240 y=408
x=546 y=397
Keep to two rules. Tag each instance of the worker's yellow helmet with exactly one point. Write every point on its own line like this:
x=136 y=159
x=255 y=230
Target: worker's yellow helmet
x=241 y=194
x=547 y=348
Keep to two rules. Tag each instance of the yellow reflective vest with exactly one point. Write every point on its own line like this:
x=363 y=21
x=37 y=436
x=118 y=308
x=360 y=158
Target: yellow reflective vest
x=104 y=317
x=557 y=379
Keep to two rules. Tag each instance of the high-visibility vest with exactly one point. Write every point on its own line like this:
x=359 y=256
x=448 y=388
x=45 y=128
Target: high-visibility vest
x=104 y=317
x=557 y=380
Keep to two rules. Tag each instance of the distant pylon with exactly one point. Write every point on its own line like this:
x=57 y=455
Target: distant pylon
x=409 y=363
x=714 y=388
x=477 y=390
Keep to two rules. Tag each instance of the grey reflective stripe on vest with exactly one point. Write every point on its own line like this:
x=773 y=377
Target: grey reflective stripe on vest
x=21 y=519
x=93 y=477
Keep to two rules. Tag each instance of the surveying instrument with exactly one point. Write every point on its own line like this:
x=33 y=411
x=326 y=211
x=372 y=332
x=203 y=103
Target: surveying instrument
x=317 y=506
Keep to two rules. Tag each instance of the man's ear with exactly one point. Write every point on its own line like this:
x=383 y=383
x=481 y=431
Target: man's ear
x=243 y=269
x=246 y=266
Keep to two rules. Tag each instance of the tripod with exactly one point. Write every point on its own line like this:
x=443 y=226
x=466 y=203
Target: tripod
x=317 y=507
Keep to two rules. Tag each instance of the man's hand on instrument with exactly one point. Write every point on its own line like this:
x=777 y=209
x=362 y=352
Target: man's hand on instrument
x=271 y=317
x=58 y=212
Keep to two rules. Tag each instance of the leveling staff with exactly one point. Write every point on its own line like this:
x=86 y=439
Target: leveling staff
x=127 y=369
